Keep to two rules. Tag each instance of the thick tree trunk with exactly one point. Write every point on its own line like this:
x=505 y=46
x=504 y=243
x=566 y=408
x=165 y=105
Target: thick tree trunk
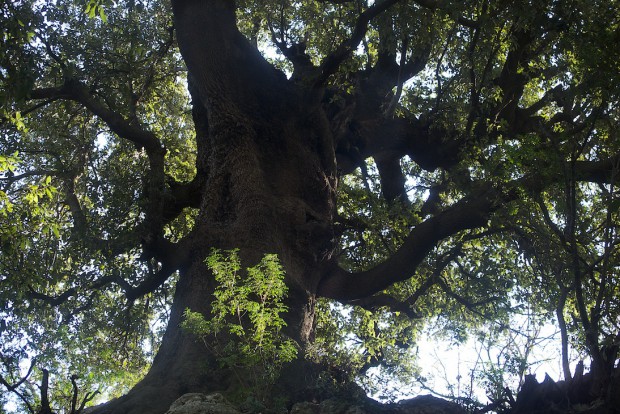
x=267 y=156
x=268 y=190
x=261 y=199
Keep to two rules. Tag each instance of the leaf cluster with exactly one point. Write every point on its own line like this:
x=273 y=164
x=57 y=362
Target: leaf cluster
x=244 y=328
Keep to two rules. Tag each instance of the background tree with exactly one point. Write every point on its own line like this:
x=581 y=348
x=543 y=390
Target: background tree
x=408 y=158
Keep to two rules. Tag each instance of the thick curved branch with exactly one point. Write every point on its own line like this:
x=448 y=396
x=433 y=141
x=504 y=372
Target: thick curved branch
x=76 y=91
x=162 y=206
x=469 y=213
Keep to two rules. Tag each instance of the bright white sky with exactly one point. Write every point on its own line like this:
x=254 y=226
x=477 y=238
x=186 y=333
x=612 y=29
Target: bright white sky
x=449 y=367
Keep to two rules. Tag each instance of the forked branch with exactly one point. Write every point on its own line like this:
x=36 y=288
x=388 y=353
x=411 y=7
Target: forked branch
x=332 y=62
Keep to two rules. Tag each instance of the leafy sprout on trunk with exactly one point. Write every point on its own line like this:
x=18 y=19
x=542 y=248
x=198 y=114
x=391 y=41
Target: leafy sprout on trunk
x=244 y=328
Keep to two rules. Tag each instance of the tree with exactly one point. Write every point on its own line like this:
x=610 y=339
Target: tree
x=388 y=153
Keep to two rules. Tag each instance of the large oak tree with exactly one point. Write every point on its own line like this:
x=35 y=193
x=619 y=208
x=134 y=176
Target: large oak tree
x=380 y=149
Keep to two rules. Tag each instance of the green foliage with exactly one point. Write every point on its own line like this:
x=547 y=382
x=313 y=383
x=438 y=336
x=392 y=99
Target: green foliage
x=245 y=325
x=7 y=164
x=549 y=254
x=94 y=8
x=93 y=333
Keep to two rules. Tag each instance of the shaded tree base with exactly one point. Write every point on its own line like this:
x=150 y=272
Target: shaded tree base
x=584 y=394
x=349 y=399
x=217 y=404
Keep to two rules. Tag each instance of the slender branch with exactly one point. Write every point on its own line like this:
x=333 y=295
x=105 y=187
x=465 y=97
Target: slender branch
x=438 y=5
x=373 y=303
x=159 y=55
x=150 y=284
x=471 y=306
x=87 y=398
x=559 y=312
x=332 y=62
x=303 y=68
x=12 y=178
x=389 y=112
x=132 y=293
x=52 y=300
x=13 y=388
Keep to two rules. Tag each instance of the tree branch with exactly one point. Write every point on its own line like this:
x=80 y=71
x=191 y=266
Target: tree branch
x=162 y=206
x=392 y=179
x=332 y=62
x=224 y=65
x=375 y=302
x=45 y=402
x=601 y=172
x=468 y=213
x=303 y=68
x=471 y=306
x=52 y=300
x=149 y=284
x=372 y=303
x=438 y=5
x=11 y=178
x=78 y=92
x=13 y=388
x=430 y=148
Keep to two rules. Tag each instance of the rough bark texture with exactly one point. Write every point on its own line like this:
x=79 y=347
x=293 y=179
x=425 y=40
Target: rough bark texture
x=270 y=189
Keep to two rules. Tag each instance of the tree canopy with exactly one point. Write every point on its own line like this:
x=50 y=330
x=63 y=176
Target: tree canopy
x=352 y=170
